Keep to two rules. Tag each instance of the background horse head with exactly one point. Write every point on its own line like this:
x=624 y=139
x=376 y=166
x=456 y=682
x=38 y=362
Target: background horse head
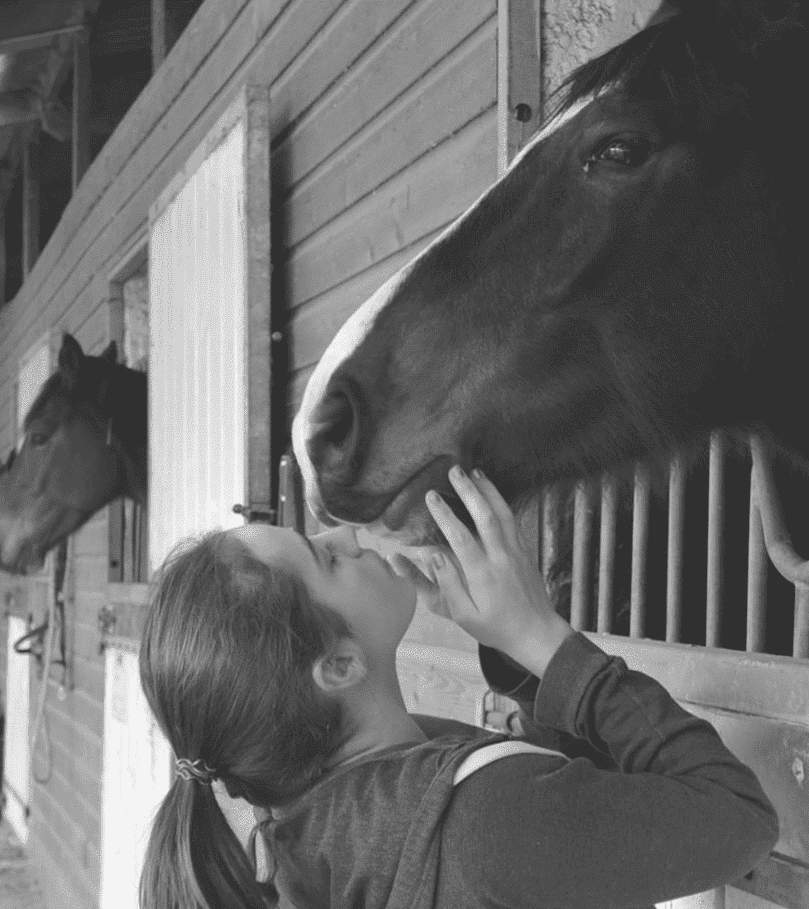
x=635 y=280
x=84 y=445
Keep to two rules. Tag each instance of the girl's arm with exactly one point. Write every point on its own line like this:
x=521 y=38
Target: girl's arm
x=680 y=815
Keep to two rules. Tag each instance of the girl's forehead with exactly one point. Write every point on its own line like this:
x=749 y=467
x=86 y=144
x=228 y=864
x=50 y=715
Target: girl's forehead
x=273 y=545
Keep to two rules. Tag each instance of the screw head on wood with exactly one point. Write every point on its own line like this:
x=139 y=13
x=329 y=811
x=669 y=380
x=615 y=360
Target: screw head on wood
x=523 y=112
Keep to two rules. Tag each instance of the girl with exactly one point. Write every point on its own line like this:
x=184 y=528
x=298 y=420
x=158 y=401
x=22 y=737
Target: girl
x=269 y=662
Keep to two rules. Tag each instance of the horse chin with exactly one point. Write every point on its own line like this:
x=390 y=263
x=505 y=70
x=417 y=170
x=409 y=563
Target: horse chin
x=406 y=514
x=418 y=530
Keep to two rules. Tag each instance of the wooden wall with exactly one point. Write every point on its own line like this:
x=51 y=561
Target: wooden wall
x=384 y=129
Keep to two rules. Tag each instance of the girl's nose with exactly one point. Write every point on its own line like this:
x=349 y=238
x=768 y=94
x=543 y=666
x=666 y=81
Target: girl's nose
x=342 y=538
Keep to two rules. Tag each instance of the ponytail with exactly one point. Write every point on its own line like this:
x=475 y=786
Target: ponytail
x=194 y=860
x=226 y=667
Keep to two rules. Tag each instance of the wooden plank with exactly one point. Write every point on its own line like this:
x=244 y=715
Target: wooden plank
x=778 y=753
x=314 y=324
x=30 y=200
x=752 y=683
x=2 y=252
x=455 y=92
x=270 y=57
x=330 y=57
x=80 y=150
x=777 y=880
x=141 y=120
x=519 y=79
x=419 y=41
x=759 y=704
x=441 y=682
x=255 y=102
x=160 y=43
x=86 y=228
x=438 y=188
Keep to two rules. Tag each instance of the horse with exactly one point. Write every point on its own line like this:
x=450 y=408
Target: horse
x=632 y=283
x=85 y=445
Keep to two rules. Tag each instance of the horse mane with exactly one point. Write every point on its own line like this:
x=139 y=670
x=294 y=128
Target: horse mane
x=709 y=60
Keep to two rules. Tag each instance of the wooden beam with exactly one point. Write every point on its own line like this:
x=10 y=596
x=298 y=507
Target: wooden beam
x=163 y=33
x=30 y=200
x=519 y=76
x=36 y=39
x=81 y=107
x=2 y=254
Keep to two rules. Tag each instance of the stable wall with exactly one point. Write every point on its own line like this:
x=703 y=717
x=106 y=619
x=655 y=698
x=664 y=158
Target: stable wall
x=384 y=129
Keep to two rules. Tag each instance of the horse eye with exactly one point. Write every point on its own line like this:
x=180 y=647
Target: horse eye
x=625 y=152
x=39 y=438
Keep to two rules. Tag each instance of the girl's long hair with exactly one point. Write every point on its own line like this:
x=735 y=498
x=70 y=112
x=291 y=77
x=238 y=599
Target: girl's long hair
x=226 y=666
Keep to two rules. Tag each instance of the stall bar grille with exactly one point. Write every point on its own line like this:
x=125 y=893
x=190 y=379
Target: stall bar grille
x=767 y=534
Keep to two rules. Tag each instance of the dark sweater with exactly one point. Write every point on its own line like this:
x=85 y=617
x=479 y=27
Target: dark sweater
x=679 y=815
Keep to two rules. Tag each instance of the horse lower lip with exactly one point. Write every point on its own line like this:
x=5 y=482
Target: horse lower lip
x=432 y=475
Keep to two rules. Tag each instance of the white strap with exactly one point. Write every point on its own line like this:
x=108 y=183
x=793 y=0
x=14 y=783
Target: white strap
x=494 y=752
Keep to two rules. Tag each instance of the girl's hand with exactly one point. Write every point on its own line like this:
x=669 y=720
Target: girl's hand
x=492 y=588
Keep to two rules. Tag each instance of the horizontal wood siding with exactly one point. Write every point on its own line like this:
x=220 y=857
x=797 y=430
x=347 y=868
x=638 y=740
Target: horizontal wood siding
x=381 y=164
x=382 y=119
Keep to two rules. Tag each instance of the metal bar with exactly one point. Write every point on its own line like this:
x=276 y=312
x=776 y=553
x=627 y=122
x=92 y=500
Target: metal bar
x=550 y=529
x=37 y=39
x=582 y=555
x=756 y=576
x=716 y=527
x=674 y=568
x=606 y=552
x=800 y=634
x=640 y=543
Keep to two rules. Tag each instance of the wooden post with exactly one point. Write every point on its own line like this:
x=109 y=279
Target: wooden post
x=519 y=76
x=81 y=106
x=2 y=250
x=163 y=36
x=30 y=200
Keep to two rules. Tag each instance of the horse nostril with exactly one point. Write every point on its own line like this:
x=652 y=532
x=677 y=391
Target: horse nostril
x=334 y=443
x=343 y=414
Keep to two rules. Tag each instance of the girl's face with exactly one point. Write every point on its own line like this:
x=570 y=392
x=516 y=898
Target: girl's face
x=357 y=583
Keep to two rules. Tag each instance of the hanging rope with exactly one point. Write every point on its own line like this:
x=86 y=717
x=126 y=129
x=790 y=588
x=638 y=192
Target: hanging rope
x=56 y=615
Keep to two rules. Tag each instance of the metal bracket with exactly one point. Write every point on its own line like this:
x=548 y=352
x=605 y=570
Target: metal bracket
x=106 y=625
x=259 y=513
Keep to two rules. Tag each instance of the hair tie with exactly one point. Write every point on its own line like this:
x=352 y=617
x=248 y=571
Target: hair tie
x=195 y=770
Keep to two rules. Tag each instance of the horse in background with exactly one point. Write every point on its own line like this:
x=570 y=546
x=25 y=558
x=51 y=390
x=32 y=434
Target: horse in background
x=633 y=282
x=85 y=445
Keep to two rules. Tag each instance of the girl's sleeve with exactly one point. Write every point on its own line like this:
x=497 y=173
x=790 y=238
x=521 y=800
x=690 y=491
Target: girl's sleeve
x=670 y=812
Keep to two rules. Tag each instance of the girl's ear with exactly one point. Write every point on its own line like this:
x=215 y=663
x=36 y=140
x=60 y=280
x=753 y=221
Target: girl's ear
x=343 y=667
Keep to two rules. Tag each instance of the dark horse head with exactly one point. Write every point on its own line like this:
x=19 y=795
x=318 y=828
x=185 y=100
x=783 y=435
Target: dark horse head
x=634 y=280
x=84 y=445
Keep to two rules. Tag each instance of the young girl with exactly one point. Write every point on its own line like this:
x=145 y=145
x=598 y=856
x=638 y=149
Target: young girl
x=269 y=662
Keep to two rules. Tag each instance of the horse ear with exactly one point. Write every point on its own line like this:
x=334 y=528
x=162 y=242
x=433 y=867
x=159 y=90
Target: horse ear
x=70 y=359
x=110 y=352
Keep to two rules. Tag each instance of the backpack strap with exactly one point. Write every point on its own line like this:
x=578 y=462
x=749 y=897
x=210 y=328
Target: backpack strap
x=488 y=753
